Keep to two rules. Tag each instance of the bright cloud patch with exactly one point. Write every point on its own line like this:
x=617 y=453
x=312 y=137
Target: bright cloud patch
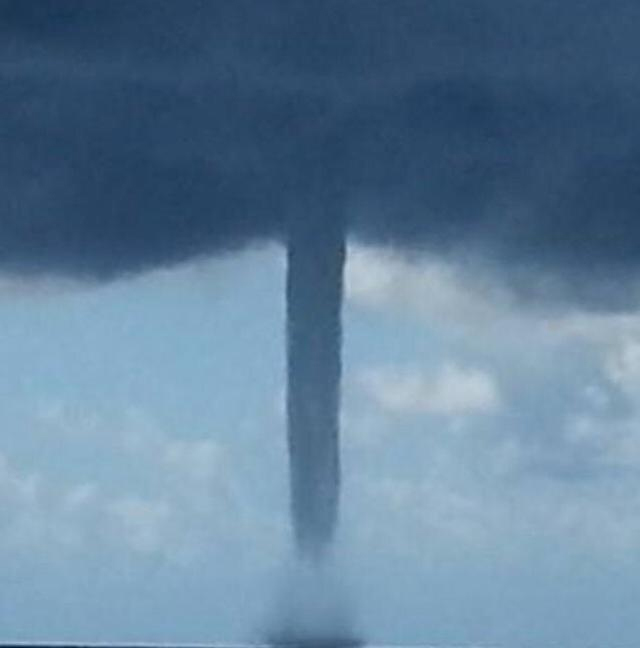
x=382 y=278
x=452 y=390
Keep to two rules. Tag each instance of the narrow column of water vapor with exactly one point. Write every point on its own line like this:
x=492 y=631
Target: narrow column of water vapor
x=316 y=257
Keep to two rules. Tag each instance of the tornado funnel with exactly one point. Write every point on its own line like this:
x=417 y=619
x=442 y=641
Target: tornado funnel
x=316 y=257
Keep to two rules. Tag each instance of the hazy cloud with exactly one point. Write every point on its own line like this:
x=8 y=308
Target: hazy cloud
x=175 y=499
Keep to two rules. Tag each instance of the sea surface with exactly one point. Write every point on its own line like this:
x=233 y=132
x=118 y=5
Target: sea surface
x=284 y=644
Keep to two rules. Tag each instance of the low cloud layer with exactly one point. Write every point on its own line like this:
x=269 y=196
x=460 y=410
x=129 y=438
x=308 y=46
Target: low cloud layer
x=147 y=133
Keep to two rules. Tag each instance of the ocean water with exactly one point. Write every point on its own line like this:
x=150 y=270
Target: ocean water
x=347 y=643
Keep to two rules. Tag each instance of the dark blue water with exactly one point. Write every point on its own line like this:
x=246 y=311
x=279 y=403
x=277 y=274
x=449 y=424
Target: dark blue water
x=338 y=643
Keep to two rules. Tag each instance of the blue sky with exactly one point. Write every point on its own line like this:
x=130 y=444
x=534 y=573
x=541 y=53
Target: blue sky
x=491 y=457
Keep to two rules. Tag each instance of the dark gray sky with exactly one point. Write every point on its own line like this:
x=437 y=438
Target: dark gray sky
x=143 y=133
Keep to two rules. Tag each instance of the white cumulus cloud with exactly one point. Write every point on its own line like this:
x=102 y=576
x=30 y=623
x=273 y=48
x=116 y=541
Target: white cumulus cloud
x=382 y=279
x=453 y=390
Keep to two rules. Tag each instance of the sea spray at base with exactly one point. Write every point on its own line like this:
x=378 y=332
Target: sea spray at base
x=312 y=606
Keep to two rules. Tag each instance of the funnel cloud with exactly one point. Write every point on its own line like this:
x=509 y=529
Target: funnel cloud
x=316 y=255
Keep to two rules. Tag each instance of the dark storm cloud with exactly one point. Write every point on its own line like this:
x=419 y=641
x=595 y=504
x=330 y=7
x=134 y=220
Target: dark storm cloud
x=140 y=133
